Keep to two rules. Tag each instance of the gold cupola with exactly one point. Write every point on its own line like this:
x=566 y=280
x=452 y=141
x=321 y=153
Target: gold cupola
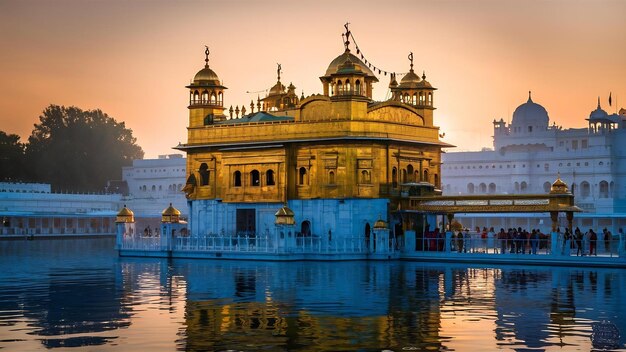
x=559 y=187
x=285 y=216
x=170 y=214
x=380 y=224
x=347 y=77
x=413 y=90
x=125 y=215
x=206 y=97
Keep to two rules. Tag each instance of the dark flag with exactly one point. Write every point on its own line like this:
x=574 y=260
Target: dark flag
x=610 y=100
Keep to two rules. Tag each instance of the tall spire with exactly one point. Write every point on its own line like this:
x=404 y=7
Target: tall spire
x=411 y=59
x=598 y=102
x=206 y=58
x=278 y=71
x=530 y=100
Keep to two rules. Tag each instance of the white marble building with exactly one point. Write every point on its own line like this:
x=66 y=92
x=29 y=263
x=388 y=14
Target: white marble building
x=528 y=153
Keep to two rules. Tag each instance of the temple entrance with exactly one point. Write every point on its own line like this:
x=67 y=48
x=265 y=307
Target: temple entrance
x=246 y=221
x=305 y=229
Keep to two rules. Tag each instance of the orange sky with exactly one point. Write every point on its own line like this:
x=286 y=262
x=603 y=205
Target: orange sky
x=132 y=59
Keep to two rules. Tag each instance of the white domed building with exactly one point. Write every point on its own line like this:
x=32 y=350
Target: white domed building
x=527 y=155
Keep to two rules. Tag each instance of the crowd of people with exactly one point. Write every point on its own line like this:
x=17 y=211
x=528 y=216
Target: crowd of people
x=523 y=241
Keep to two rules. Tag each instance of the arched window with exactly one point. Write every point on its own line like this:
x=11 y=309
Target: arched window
x=339 y=89
x=205 y=97
x=394 y=178
x=237 y=179
x=492 y=188
x=204 y=174
x=546 y=187
x=365 y=177
x=331 y=177
x=470 y=188
x=404 y=180
x=302 y=176
x=604 y=189
x=220 y=98
x=585 y=189
x=357 y=87
x=348 y=87
x=414 y=101
x=196 y=97
x=482 y=188
x=213 y=98
x=269 y=178
x=409 y=172
x=437 y=180
x=516 y=187
x=426 y=176
x=255 y=178
x=430 y=98
x=523 y=187
x=407 y=99
x=153 y=188
x=421 y=98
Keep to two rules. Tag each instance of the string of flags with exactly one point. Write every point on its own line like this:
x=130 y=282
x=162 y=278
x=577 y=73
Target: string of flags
x=369 y=63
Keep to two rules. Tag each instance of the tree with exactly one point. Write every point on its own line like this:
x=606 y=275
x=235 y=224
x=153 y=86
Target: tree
x=79 y=150
x=11 y=158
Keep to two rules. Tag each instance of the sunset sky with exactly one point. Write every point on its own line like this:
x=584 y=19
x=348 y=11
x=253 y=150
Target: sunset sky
x=132 y=59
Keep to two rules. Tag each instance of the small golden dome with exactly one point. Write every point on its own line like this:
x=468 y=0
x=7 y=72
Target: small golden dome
x=559 y=187
x=125 y=215
x=170 y=214
x=409 y=78
x=284 y=216
x=206 y=75
x=277 y=89
x=380 y=224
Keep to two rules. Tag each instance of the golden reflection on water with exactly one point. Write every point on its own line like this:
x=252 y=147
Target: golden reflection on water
x=91 y=300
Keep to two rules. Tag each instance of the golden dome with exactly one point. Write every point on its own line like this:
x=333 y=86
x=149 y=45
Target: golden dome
x=170 y=214
x=341 y=60
x=559 y=187
x=380 y=224
x=285 y=216
x=278 y=88
x=409 y=78
x=206 y=75
x=125 y=215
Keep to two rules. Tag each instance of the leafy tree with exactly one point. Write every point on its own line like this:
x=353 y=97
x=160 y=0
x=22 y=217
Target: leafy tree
x=11 y=158
x=79 y=150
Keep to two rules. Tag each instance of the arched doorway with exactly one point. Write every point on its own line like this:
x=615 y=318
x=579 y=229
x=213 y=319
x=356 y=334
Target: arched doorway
x=305 y=229
x=367 y=236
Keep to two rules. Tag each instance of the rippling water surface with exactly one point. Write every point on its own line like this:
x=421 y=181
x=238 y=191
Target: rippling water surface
x=78 y=295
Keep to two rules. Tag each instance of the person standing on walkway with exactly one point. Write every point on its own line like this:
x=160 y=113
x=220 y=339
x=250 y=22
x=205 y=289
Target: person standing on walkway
x=578 y=237
x=534 y=241
x=567 y=243
x=606 y=234
x=593 y=242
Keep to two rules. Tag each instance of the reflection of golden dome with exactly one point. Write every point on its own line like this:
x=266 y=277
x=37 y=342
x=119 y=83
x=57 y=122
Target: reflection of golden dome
x=380 y=224
x=559 y=187
x=170 y=214
x=285 y=216
x=125 y=215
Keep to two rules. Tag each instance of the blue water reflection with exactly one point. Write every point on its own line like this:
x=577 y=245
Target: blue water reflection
x=79 y=294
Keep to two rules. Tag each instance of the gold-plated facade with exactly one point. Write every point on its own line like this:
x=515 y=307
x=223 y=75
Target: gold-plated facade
x=337 y=145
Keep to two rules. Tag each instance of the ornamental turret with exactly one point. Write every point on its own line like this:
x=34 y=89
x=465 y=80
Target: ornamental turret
x=279 y=96
x=206 y=97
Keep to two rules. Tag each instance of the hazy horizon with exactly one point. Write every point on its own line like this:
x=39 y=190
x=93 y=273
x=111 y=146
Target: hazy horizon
x=132 y=59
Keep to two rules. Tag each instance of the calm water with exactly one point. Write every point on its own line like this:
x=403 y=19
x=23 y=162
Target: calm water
x=78 y=294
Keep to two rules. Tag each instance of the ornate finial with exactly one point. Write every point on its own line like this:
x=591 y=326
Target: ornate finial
x=411 y=59
x=529 y=96
x=598 y=102
x=346 y=36
x=423 y=74
x=252 y=106
x=302 y=96
x=206 y=58
x=278 y=71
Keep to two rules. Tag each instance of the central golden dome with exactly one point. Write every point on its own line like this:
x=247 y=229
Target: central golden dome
x=206 y=75
x=336 y=64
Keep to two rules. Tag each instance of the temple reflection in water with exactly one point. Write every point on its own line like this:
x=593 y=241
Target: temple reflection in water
x=356 y=305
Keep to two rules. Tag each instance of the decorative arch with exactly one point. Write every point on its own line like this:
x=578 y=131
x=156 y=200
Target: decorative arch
x=603 y=191
x=470 y=188
x=237 y=178
x=523 y=187
x=409 y=171
x=255 y=178
x=204 y=174
x=305 y=228
x=585 y=189
x=269 y=178
x=482 y=188
x=302 y=176
x=492 y=188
